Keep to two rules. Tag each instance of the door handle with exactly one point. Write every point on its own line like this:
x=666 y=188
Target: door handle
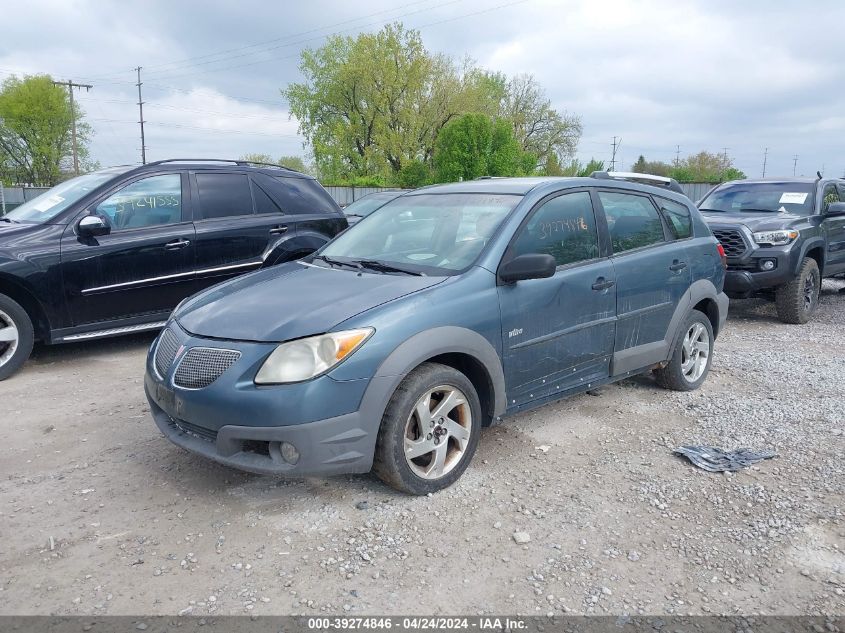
x=677 y=266
x=603 y=284
x=278 y=230
x=177 y=244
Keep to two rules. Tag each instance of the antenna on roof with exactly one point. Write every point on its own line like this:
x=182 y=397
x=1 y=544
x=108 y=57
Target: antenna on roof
x=819 y=174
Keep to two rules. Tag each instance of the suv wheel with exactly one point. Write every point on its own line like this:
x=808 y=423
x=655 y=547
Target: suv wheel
x=429 y=431
x=691 y=357
x=797 y=300
x=16 y=336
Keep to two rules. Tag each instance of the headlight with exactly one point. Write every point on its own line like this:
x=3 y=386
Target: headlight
x=775 y=238
x=308 y=357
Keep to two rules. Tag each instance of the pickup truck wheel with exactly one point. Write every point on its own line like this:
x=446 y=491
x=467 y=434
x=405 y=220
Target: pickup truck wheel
x=16 y=336
x=429 y=431
x=797 y=300
x=691 y=358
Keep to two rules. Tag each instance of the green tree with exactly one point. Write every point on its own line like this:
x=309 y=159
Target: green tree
x=413 y=174
x=539 y=128
x=589 y=168
x=36 y=118
x=653 y=167
x=258 y=158
x=706 y=167
x=293 y=162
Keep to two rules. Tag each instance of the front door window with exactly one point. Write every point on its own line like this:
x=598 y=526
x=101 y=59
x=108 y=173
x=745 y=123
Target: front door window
x=152 y=201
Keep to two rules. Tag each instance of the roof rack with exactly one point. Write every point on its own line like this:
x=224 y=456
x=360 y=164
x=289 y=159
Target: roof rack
x=659 y=181
x=221 y=160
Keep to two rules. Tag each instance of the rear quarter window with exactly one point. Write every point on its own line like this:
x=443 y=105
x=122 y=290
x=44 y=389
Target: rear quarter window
x=298 y=195
x=678 y=217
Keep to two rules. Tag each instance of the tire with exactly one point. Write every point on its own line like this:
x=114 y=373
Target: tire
x=798 y=299
x=16 y=336
x=401 y=429
x=696 y=337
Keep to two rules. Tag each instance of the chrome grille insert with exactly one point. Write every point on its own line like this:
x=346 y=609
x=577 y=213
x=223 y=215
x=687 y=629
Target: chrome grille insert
x=166 y=352
x=201 y=366
x=732 y=241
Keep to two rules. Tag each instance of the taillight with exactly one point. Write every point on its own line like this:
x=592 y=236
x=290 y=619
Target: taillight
x=722 y=256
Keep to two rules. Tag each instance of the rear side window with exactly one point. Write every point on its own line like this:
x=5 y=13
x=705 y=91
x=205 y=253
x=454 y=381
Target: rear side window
x=263 y=202
x=298 y=195
x=633 y=221
x=223 y=195
x=563 y=227
x=678 y=215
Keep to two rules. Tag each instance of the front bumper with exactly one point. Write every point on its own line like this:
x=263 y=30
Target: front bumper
x=744 y=276
x=236 y=423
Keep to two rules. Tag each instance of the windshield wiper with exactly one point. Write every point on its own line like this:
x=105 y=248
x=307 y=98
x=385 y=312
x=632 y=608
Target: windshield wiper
x=759 y=211
x=374 y=264
x=9 y=220
x=336 y=262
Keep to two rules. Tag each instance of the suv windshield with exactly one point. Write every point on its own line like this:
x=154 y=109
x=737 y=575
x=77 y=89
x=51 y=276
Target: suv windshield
x=762 y=197
x=426 y=233
x=50 y=203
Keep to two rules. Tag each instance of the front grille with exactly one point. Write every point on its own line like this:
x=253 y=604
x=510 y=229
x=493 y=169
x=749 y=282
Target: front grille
x=751 y=266
x=732 y=241
x=166 y=352
x=197 y=431
x=201 y=366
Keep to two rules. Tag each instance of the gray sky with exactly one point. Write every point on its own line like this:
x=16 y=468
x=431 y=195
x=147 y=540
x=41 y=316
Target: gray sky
x=703 y=74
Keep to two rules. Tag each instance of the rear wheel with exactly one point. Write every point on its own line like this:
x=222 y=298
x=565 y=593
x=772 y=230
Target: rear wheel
x=16 y=336
x=690 y=362
x=429 y=431
x=797 y=300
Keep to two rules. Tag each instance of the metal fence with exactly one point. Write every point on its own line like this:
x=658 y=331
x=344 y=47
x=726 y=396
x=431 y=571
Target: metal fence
x=15 y=196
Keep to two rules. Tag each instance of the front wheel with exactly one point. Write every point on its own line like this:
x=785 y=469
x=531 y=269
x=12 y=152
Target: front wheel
x=16 y=336
x=429 y=431
x=797 y=300
x=691 y=358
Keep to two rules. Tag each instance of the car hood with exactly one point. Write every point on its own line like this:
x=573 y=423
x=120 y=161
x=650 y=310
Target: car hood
x=10 y=230
x=291 y=301
x=754 y=221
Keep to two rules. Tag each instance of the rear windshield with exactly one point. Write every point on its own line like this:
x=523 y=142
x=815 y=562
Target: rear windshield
x=762 y=197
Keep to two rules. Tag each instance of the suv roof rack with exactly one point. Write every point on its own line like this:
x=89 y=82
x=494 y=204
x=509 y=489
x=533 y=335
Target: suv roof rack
x=221 y=160
x=660 y=181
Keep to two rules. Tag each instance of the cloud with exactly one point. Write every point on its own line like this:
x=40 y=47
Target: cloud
x=702 y=74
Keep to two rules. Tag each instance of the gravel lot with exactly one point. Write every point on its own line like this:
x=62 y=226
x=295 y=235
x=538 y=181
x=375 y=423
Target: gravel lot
x=99 y=514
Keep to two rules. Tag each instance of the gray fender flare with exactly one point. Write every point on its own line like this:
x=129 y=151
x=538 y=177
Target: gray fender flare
x=805 y=248
x=423 y=346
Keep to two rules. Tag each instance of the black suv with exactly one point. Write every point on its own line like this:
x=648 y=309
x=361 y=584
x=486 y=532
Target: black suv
x=781 y=237
x=114 y=251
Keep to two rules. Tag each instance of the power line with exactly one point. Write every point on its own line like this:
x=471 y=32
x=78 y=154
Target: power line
x=70 y=86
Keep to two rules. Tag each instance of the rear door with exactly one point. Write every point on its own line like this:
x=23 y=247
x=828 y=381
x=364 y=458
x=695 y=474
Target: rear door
x=652 y=275
x=236 y=223
x=145 y=265
x=558 y=333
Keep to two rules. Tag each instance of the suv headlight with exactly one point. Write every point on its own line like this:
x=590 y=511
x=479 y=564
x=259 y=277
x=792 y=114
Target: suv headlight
x=306 y=358
x=775 y=238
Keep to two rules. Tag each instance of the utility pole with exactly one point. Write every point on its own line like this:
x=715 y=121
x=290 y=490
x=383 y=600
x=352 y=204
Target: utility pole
x=765 y=156
x=141 y=118
x=725 y=155
x=678 y=156
x=794 y=164
x=613 y=157
x=70 y=86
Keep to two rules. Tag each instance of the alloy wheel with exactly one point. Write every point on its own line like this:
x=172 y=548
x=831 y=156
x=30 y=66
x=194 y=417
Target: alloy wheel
x=695 y=352
x=437 y=432
x=809 y=292
x=9 y=338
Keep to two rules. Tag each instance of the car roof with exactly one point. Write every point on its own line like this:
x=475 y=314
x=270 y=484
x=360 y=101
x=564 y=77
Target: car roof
x=782 y=179
x=210 y=165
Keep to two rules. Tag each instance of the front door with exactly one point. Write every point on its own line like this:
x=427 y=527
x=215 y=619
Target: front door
x=558 y=332
x=834 y=227
x=144 y=266
x=652 y=275
x=237 y=225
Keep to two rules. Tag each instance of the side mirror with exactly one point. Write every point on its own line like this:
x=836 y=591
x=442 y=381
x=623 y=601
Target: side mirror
x=530 y=266
x=835 y=209
x=92 y=226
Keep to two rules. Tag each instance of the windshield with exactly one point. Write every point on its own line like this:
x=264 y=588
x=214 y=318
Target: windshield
x=428 y=233
x=366 y=205
x=50 y=203
x=762 y=197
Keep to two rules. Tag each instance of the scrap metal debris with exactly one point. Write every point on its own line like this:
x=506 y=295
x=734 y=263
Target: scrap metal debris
x=716 y=460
